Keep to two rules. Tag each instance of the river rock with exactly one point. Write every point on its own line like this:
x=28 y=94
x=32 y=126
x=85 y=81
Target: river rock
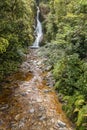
x=52 y=120
x=41 y=109
x=17 y=117
x=14 y=126
x=39 y=100
x=23 y=94
x=48 y=68
x=32 y=110
x=47 y=91
x=29 y=91
x=4 y=107
x=39 y=62
x=43 y=117
x=21 y=124
x=61 y=124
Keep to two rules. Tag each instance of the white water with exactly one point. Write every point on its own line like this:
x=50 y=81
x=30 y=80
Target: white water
x=39 y=33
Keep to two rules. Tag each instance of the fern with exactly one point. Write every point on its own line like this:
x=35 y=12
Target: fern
x=80 y=101
x=82 y=117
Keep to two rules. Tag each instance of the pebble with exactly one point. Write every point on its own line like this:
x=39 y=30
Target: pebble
x=39 y=100
x=32 y=110
x=21 y=124
x=52 y=120
x=17 y=117
x=48 y=68
x=41 y=108
x=23 y=94
x=29 y=91
x=47 y=91
x=39 y=63
x=39 y=115
x=42 y=118
x=4 y=107
x=61 y=124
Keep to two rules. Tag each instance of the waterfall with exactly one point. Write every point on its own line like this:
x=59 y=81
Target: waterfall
x=38 y=31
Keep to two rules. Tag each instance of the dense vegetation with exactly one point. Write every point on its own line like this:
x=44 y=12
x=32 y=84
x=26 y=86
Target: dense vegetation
x=66 y=30
x=16 y=32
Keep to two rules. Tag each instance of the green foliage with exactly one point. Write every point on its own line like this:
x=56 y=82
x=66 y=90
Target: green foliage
x=16 y=32
x=66 y=22
x=66 y=28
x=82 y=117
x=67 y=72
x=3 y=44
x=76 y=109
x=71 y=80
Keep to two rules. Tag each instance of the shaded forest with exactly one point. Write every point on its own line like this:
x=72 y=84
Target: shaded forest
x=65 y=38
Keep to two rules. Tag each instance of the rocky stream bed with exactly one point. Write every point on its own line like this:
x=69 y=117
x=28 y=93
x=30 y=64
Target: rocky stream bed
x=28 y=100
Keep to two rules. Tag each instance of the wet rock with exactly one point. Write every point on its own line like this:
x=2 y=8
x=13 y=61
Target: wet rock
x=32 y=110
x=52 y=120
x=48 y=68
x=17 y=117
x=47 y=91
x=39 y=100
x=29 y=91
x=21 y=124
x=50 y=83
x=43 y=117
x=61 y=124
x=60 y=96
x=36 y=110
x=39 y=115
x=4 y=107
x=23 y=94
x=41 y=109
x=50 y=80
x=39 y=62
x=49 y=75
x=14 y=126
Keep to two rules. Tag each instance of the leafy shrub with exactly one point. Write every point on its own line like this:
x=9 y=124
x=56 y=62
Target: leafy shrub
x=16 y=32
x=66 y=73
x=3 y=44
x=66 y=27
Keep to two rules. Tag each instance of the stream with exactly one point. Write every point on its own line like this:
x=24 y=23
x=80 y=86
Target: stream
x=27 y=103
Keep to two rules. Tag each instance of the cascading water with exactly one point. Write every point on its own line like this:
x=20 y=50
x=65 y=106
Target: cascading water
x=39 y=33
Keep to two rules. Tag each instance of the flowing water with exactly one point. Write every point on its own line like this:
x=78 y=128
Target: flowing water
x=39 y=33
